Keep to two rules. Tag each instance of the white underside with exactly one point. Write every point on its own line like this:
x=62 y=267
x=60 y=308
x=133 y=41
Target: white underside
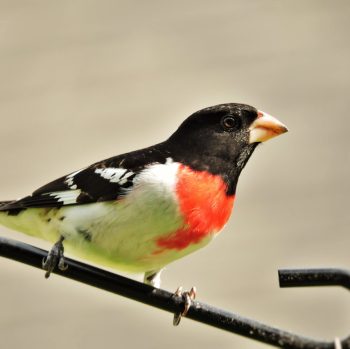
x=123 y=232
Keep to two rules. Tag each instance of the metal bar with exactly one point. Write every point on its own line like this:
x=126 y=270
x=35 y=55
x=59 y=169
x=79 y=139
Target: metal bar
x=164 y=300
x=314 y=277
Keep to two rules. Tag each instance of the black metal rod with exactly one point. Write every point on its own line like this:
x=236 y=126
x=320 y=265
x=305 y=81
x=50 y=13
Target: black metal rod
x=164 y=300
x=314 y=277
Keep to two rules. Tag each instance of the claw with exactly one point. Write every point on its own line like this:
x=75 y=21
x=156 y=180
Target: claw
x=61 y=264
x=54 y=258
x=188 y=298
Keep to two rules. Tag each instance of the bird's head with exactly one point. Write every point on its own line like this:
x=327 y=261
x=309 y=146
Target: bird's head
x=221 y=138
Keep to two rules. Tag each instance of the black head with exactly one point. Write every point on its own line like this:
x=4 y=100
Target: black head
x=220 y=130
x=219 y=139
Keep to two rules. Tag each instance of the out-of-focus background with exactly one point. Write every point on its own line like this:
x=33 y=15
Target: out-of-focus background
x=85 y=80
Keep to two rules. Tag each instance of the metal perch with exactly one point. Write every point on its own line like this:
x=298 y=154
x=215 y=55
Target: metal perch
x=201 y=312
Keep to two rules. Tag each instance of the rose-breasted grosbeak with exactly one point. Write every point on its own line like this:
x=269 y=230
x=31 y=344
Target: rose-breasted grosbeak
x=142 y=210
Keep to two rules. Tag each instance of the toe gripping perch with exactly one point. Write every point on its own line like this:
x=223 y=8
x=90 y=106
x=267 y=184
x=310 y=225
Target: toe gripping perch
x=188 y=298
x=55 y=258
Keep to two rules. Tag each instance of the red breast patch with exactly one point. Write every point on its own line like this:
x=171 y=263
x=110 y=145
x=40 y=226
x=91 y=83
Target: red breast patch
x=204 y=204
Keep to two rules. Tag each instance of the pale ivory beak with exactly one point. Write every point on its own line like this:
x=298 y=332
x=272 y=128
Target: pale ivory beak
x=265 y=127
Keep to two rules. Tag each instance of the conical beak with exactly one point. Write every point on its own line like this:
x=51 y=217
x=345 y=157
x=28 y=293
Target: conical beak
x=265 y=127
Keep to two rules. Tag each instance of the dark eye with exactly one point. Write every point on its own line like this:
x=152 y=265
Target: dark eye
x=230 y=123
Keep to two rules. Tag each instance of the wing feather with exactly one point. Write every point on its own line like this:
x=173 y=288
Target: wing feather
x=102 y=181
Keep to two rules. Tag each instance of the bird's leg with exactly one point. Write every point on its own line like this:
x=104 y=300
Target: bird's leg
x=55 y=258
x=188 y=298
x=152 y=278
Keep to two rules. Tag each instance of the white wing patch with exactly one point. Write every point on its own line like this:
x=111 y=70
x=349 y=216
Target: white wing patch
x=67 y=197
x=70 y=179
x=115 y=175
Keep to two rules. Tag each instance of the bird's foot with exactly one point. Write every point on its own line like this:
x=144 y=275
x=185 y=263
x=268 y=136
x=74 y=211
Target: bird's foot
x=55 y=258
x=188 y=298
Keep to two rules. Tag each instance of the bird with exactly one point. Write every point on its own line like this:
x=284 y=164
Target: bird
x=140 y=211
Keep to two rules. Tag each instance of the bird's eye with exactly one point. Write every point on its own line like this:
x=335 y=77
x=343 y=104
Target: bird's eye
x=230 y=123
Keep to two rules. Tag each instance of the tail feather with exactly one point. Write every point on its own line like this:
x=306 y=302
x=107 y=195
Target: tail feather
x=10 y=209
x=4 y=203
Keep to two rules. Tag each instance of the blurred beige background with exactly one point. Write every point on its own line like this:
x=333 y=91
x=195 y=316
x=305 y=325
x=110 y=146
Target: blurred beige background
x=85 y=80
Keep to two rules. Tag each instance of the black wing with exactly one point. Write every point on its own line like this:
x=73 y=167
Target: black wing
x=103 y=181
